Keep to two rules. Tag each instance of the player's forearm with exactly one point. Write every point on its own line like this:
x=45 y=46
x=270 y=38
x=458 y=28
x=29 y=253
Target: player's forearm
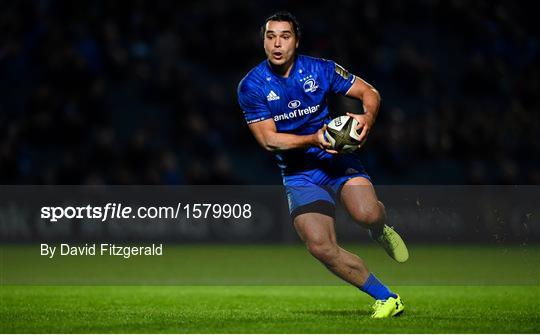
x=371 y=100
x=283 y=141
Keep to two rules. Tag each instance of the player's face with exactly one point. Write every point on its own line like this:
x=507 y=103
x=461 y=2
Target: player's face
x=280 y=42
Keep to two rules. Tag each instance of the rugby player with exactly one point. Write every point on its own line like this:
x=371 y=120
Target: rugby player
x=284 y=103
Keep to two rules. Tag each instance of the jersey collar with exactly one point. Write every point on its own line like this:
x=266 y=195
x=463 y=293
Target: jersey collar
x=292 y=73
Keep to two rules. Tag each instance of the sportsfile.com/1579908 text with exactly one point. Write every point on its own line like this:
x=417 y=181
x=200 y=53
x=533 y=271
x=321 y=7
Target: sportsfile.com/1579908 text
x=119 y=211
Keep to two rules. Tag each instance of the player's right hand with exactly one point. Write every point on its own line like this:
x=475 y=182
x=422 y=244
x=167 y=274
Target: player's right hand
x=323 y=143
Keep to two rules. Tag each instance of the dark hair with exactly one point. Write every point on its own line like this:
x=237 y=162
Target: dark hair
x=283 y=16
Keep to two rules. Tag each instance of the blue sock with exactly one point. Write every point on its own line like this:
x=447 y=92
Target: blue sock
x=375 y=231
x=376 y=289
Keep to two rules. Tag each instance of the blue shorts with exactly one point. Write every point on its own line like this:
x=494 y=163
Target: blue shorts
x=316 y=190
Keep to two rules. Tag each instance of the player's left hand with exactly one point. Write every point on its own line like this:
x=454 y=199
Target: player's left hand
x=365 y=122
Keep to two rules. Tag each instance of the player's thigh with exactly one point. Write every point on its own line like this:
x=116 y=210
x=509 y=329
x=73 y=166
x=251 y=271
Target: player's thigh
x=315 y=229
x=360 y=200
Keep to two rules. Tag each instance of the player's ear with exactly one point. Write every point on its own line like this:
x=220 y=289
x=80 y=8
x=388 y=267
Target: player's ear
x=297 y=43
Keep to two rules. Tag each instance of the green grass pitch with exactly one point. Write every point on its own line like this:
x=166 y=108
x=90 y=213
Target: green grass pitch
x=267 y=289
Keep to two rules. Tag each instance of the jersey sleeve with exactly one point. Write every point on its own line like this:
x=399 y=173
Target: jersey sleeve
x=340 y=79
x=252 y=102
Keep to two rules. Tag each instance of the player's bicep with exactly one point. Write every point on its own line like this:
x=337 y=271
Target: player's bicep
x=370 y=97
x=262 y=130
x=359 y=88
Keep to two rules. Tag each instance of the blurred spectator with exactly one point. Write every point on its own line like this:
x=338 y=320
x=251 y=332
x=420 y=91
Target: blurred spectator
x=145 y=92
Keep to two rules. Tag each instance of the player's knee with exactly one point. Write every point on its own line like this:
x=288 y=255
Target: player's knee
x=371 y=215
x=373 y=218
x=324 y=251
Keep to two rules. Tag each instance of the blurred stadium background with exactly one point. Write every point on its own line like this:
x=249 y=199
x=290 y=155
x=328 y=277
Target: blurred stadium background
x=144 y=92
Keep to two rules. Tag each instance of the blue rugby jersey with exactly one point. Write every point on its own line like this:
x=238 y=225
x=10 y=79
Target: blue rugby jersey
x=297 y=104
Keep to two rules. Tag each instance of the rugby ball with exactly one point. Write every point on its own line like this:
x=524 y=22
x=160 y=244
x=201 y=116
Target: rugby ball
x=341 y=133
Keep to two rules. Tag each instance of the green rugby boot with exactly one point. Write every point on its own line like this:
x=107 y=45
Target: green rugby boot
x=387 y=308
x=393 y=244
